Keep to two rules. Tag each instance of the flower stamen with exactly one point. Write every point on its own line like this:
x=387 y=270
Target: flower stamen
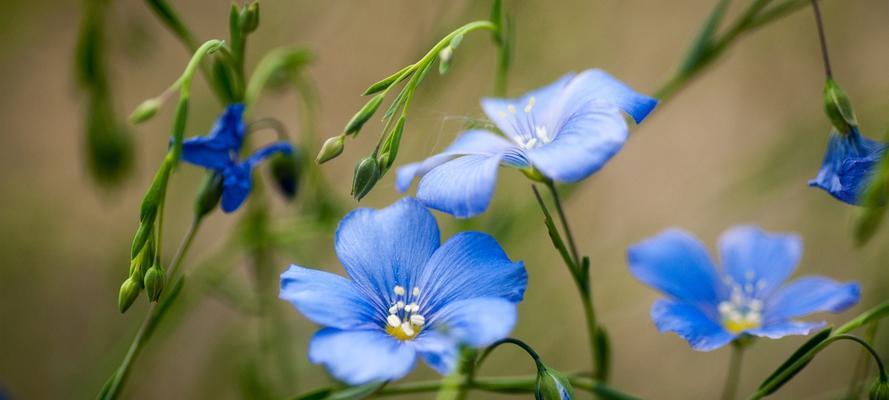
x=404 y=321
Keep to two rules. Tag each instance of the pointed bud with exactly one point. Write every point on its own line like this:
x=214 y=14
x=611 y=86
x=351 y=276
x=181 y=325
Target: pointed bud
x=145 y=111
x=363 y=115
x=208 y=195
x=129 y=291
x=838 y=107
x=444 y=59
x=389 y=150
x=249 y=18
x=552 y=385
x=879 y=390
x=331 y=149
x=367 y=172
x=154 y=282
x=286 y=171
x=143 y=232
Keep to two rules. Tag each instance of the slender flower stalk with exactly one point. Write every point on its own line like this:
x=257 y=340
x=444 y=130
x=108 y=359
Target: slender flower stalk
x=822 y=39
x=734 y=371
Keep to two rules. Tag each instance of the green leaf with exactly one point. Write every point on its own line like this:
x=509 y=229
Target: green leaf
x=385 y=83
x=775 y=381
x=702 y=46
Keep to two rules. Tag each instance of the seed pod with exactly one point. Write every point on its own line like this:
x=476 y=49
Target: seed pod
x=367 y=172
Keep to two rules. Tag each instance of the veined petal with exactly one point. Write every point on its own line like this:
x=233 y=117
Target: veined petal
x=328 y=299
x=384 y=248
x=848 y=165
x=597 y=85
x=758 y=258
x=362 y=356
x=781 y=329
x=676 y=263
x=469 y=142
x=205 y=152
x=438 y=350
x=516 y=116
x=476 y=322
x=470 y=265
x=229 y=129
x=462 y=187
x=583 y=144
x=258 y=156
x=809 y=295
x=688 y=321
x=236 y=185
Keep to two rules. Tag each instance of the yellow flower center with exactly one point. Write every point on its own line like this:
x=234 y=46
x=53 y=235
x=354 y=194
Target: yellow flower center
x=405 y=321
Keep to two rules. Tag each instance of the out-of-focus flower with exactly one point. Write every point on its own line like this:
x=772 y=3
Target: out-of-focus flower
x=848 y=165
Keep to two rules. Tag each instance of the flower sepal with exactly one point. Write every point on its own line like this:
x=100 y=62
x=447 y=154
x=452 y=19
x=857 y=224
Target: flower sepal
x=552 y=384
x=838 y=107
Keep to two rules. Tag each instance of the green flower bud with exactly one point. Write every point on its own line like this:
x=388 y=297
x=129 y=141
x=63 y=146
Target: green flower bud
x=249 y=18
x=389 y=150
x=879 y=390
x=154 y=282
x=143 y=233
x=129 y=291
x=838 y=107
x=286 y=171
x=331 y=149
x=363 y=115
x=367 y=172
x=208 y=195
x=552 y=385
x=145 y=111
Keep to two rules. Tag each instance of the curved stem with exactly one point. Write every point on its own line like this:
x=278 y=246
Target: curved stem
x=734 y=372
x=821 y=39
x=524 y=346
x=511 y=384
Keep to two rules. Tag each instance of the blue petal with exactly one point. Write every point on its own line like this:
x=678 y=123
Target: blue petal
x=328 y=299
x=510 y=116
x=229 y=128
x=781 y=329
x=676 y=263
x=809 y=295
x=469 y=142
x=595 y=85
x=848 y=165
x=764 y=260
x=258 y=156
x=438 y=350
x=689 y=322
x=358 y=357
x=582 y=145
x=462 y=187
x=384 y=248
x=470 y=265
x=236 y=185
x=206 y=152
x=476 y=322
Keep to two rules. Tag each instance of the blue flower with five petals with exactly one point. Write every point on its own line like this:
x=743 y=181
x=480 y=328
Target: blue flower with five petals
x=219 y=151
x=710 y=308
x=408 y=296
x=848 y=165
x=565 y=131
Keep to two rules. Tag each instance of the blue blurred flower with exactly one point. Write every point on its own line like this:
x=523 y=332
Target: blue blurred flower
x=408 y=295
x=848 y=165
x=219 y=151
x=710 y=308
x=564 y=131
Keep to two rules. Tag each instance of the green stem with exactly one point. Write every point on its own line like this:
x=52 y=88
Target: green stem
x=152 y=318
x=513 y=384
x=822 y=39
x=734 y=372
x=861 y=365
x=564 y=220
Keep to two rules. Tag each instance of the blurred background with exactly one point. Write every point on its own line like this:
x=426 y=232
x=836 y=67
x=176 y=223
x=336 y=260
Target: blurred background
x=736 y=145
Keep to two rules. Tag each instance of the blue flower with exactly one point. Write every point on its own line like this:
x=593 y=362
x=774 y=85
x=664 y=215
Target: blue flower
x=848 y=165
x=710 y=308
x=408 y=296
x=218 y=151
x=564 y=131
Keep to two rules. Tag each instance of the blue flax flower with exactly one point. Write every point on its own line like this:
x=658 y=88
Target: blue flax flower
x=564 y=131
x=710 y=308
x=218 y=151
x=848 y=165
x=408 y=296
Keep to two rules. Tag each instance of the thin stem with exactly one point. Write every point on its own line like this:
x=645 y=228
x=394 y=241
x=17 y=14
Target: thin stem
x=821 y=38
x=876 y=356
x=524 y=346
x=564 y=221
x=734 y=372
x=512 y=384
x=861 y=365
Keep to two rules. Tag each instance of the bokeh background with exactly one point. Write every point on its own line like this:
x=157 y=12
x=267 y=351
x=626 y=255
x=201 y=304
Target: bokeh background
x=735 y=146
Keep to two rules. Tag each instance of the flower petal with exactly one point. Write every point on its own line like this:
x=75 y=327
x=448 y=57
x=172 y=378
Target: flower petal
x=781 y=329
x=469 y=142
x=384 y=248
x=510 y=115
x=676 y=263
x=470 y=265
x=438 y=350
x=809 y=295
x=763 y=260
x=205 y=152
x=258 y=156
x=848 y=165
x=236 y=185
x=476 y=322
x=357 y=357
x=462 y=187
x=597 y=85
x=328 y=299
x=690 y=323
x=583 y=144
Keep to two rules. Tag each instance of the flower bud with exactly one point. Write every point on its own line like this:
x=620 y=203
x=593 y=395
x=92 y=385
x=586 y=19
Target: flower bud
x=552 y=385
x=154 y=282
x=129 y=291
x=363 y=115
x=145 y=111
x=838 y=107
x=367 y=172
x=331 y=149
x=208 y=195
x=879 y=390
x=143 y=232
x=444 y=59
x=286 y=171
x=249 y=18
x=389 y=150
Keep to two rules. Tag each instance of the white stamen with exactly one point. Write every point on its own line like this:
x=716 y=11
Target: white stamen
x=393 y=321
x=393 y=310
x=418 y=320
x=530 y=105
x=399 y=291
x=416 y=291
x=511 y=109
x=400 y=305
x=407 y=329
